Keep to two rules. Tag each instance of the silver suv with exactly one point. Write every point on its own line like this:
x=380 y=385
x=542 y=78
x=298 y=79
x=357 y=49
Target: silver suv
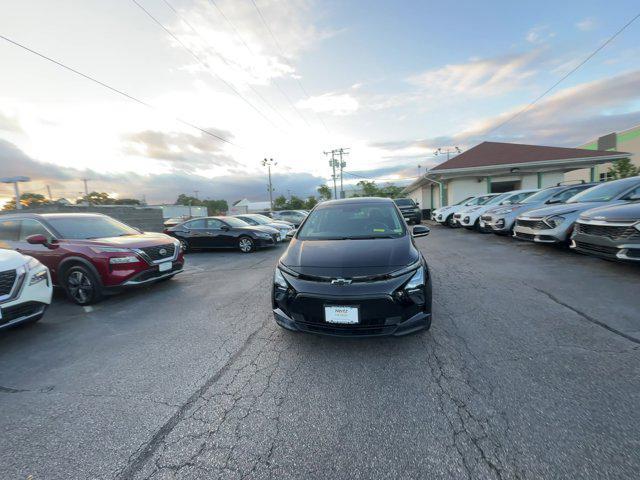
x=501 y=219
x=555 y=224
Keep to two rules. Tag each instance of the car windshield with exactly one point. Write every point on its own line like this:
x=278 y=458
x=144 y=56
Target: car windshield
x=259 y=219
x=233 y=221
x=90 y=227
x=494 y=200
x=353 y=221
x=601 y=193
x=462 y=202
x=541 y=196
x=404 y=202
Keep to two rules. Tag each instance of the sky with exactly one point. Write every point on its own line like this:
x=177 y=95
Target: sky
x=226 y=83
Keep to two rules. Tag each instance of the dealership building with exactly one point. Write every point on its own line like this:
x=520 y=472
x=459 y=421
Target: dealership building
x=495 y=167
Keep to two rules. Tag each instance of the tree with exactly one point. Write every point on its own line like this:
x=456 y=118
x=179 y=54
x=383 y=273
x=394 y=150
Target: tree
x=369 y=188
x=188 y=200
x=310 y=203
x=623 y=168
x=216 y=207
x=325 y=192
x=295 y=203
x=27 y=200
x=280 y=203
x=126 y=201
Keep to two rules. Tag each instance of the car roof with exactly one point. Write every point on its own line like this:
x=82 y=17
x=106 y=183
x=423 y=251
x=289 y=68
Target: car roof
x=45 y=216
x=357 y=200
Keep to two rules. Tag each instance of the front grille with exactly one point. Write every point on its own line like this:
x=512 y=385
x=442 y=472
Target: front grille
x=7 y=279
x=609 y=231
x=457 y=215
x=486 y=218
x=18 y=311
x=600 y=249
x=535 y=224
x=155 y=254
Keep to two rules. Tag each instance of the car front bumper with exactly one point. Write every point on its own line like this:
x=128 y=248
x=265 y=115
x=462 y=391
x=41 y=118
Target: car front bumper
x=544 y=235
x=30 y=302
x=384 y=307
x=627 y=250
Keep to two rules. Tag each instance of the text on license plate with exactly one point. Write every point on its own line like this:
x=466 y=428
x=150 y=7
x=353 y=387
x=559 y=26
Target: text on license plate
x=341 y=314
x=163 y=267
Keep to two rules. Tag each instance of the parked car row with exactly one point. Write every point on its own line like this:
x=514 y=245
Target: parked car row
x=601 y=219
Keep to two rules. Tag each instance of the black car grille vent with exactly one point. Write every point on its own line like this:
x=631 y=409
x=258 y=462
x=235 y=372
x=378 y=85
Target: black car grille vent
x=7 y=279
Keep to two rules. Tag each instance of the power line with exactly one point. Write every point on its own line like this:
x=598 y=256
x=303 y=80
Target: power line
x=204 y=64
x=221 y=57
x=113 y=89
x=250 y=50
x=564 y=77
x=277 y=44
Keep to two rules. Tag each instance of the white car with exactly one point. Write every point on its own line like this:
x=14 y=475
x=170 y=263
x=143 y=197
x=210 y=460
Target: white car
x=470 y=217
x=444 y=215
x=25 y=289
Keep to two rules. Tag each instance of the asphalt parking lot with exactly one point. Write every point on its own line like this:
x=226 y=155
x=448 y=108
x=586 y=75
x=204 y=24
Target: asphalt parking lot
x=531 y=370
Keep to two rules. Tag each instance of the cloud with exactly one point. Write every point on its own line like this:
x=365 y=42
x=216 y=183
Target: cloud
x=493 y=76
x=182 y=151
x=586 y=24
x=156 y=188
x=334 y=103
x=539 y=34
x=9 y=123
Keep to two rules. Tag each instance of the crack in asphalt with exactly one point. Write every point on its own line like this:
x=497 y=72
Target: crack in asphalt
x=588 y=317
x=140 y=458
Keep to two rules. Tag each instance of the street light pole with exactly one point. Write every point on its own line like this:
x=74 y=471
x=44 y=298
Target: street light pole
x=16 y=188
x=268 y=163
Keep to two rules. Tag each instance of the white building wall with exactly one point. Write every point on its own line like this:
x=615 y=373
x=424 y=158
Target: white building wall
x=460 y=188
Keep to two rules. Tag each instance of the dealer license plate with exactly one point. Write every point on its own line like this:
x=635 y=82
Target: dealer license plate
x=341 y=314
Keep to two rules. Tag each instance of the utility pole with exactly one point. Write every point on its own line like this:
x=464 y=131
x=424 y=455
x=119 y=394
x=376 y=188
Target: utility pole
x=342 y=151
x=333 y=165
x=86 y=190
x=49 y=192
x=269 y=163
x=16 y=188
x=419 y=167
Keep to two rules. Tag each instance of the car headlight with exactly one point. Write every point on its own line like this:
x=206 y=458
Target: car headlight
x=279 y=280
x=121 y=260
x=38 y=277
x=99 y=249
x=554 y=221
x=417 y=281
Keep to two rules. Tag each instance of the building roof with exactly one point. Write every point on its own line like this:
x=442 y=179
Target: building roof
x=497 y=153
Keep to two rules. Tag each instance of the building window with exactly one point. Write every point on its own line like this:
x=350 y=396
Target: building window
x=605 y=176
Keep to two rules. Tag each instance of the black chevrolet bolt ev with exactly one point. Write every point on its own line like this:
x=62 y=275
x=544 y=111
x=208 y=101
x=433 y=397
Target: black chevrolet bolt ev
x=353 y=269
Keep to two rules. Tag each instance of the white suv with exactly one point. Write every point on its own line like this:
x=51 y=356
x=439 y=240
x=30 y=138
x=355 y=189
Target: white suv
x=470 y=217
x=25 y=289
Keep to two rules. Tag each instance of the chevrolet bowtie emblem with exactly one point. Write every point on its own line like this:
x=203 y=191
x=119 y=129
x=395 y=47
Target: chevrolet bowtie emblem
x=340 y=281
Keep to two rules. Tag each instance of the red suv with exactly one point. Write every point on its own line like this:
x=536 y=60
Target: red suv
x=90 y=255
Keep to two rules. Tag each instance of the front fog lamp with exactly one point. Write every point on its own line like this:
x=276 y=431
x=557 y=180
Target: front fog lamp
x=416 y=281
x=121 y=260
x=279 y=280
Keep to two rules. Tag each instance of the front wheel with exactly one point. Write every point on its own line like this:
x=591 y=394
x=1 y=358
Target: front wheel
x=82 y=285
x=449 y=221
x=184 y=245
x=246 y=244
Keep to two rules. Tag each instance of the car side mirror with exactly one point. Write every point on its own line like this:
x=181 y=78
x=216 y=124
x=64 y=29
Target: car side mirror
x=291 y=233
x=38 y=239
x=420 y=231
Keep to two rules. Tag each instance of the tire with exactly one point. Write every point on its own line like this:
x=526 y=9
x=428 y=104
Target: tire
x=246 y=244
x=81 y=285
x=449 y=221
x=184 y=244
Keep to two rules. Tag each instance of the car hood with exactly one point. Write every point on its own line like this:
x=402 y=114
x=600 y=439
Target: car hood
x=627 y=212
x=349 y=258
x=141 y=240
x=564 y=208
x=515 y=208
x=10 y=260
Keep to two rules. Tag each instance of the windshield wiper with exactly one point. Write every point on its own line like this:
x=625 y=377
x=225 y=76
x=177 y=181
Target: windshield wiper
x=372 y=237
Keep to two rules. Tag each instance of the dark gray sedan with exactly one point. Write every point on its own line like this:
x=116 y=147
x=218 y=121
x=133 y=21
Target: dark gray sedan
x=610 y=232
